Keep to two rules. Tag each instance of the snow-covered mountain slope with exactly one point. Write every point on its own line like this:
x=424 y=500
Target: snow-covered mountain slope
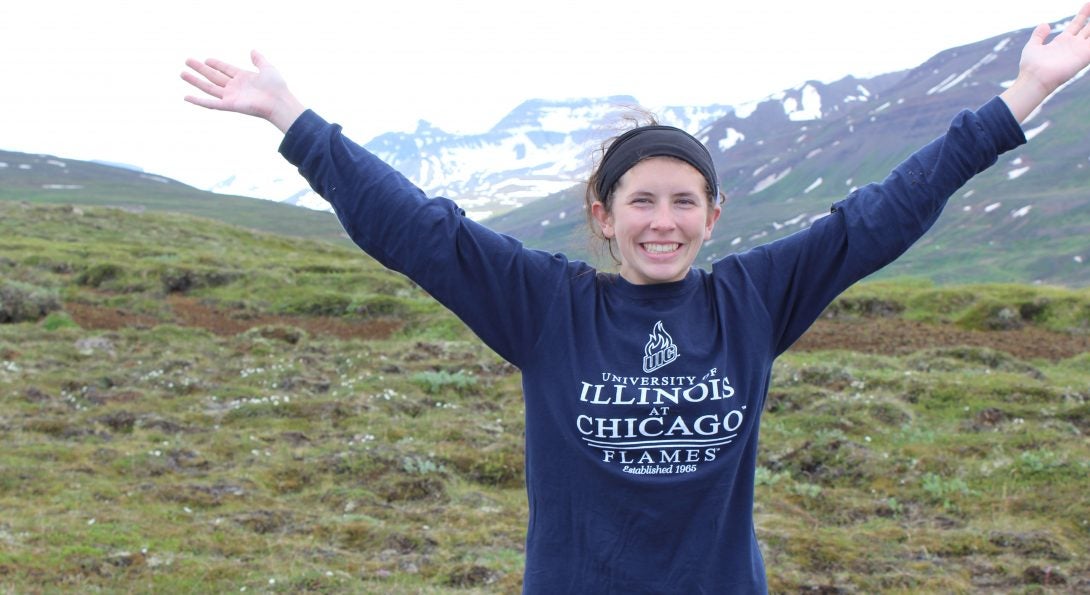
x=541 y=147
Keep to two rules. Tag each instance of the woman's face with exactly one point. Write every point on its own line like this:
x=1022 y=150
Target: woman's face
x=660 y=217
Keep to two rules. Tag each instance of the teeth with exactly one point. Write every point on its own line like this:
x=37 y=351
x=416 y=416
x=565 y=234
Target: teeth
x=661 y=247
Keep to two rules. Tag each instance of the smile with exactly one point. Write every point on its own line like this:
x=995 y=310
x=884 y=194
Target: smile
x=661 y=248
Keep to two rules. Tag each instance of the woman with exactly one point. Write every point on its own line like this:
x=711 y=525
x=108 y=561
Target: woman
x=643 y=389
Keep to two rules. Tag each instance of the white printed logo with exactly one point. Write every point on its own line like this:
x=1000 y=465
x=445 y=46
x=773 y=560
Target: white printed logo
x=660 y=349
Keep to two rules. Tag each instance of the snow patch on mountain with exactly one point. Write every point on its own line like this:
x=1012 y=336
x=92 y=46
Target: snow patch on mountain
x=769 y=181
x=806 y=108
x=1032 y=132
x=732 y=138
x=1022 y=212
x=864 y=95
x=954 y=80
x=1017 y=173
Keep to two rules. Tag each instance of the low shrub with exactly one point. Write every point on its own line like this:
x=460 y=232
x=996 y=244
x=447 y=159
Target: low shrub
x=437 y=383
x=182 y=280
x=58 y=320
x=22 y=302
x=97 y=274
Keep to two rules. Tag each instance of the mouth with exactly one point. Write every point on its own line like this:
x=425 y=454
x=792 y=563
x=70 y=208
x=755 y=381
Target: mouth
x=661 y=248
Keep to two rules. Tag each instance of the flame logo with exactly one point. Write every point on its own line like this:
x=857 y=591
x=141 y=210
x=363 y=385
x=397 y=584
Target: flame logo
x=658 y=340
x=660 y=349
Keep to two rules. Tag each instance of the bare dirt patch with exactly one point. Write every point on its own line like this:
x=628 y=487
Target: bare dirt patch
x=880 y=335
x=105 y=318
x=893 y=336
x=187 y=311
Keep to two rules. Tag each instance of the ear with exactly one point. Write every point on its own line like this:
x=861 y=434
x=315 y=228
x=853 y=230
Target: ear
x=713 y=216
x=603 y=217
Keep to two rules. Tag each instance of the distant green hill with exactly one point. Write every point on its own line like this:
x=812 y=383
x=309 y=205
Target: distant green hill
x=45 y=179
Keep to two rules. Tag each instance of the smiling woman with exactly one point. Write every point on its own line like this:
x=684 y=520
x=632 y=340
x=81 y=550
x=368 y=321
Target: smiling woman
x=644 y=389
x=659 y=213
x=655 y=195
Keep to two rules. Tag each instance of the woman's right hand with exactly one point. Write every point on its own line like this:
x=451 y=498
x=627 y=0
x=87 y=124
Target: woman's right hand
x=263 y=94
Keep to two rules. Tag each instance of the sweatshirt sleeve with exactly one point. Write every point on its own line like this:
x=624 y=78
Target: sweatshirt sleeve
x=798 y=276
x=500 y=289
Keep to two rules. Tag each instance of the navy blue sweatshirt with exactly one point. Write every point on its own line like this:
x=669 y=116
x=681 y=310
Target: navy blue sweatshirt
x=643 y=402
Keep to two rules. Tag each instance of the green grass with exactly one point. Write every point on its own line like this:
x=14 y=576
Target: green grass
x=976 y=307
x=165 y=457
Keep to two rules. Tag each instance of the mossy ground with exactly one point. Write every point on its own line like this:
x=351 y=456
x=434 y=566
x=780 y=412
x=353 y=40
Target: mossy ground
x=283 y=416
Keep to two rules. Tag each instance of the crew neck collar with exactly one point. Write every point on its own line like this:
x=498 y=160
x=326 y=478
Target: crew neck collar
x=616 y=282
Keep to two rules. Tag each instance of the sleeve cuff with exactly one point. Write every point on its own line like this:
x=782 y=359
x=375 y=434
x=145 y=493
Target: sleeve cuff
x=294 y=145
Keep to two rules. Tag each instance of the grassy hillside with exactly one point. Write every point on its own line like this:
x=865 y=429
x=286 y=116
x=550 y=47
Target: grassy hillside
x=188 y=406
x=977 y=240
x=44 y=179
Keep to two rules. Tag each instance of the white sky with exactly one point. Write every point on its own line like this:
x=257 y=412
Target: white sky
x=99 y=79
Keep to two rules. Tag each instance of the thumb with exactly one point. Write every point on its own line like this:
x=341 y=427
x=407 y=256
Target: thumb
x=259 y=60
x=1039 y=35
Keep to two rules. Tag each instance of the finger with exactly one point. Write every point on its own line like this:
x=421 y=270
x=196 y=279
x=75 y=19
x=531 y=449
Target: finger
x=1084 y=17
x=1040 y=34
x=259 y=60
x=204 y=85
x=204 y=102
x=1078 y=22
x=229 y=71
x=206 y=70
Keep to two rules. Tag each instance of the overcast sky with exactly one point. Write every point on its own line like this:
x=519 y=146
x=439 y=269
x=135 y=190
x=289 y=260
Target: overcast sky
x=99 y=79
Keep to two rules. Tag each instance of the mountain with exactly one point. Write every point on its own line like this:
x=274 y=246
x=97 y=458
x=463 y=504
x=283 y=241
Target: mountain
x=784 y=160
x=541 y=147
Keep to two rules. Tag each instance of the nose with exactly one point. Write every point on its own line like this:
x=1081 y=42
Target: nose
x=662 y=218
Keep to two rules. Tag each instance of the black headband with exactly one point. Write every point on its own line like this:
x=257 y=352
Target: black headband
x=654 y=141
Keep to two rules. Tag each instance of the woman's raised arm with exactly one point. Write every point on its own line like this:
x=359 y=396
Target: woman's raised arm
x=263 y=94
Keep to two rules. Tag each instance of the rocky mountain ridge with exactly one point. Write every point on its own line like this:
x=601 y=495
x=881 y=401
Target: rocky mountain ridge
x=784 y=160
